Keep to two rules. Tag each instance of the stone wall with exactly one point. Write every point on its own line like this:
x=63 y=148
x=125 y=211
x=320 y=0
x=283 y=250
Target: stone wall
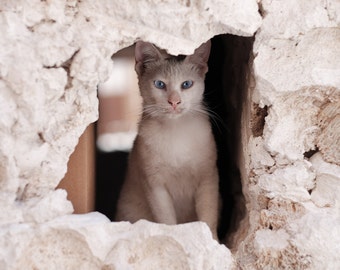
x=55 y=53
x=292 y=173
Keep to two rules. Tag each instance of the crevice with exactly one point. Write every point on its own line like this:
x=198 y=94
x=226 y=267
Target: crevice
x=43 y=21
x=262 y=11
x=226 y=86
x=66 y=65
x=310 y=153
x=41 y=137
x=257 y=120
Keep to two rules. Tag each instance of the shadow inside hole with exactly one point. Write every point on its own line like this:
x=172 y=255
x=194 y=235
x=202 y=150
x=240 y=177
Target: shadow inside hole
x=225 y=91
x=110 y=174
x=226 y=85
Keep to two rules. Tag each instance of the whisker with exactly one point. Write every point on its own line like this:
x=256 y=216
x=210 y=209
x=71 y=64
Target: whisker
x=216 y=120
x=150 y=111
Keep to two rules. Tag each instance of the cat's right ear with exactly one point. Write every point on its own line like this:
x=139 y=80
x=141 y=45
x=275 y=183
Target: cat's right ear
x=200 y=57
x=145 y=52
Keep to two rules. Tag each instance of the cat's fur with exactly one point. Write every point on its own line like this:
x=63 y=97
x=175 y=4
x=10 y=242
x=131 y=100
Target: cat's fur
x=172 y=175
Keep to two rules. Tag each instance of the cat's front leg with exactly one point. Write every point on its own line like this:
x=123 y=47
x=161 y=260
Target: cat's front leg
x=207 y=197
x=161 y=205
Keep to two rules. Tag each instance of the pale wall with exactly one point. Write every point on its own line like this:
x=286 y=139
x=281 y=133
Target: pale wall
x=53 y=55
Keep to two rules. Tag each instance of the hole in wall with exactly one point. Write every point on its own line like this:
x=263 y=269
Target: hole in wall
x=225 y=91
x=310 y=153
x=119 y=108
x=257 y=120
x=226 y=86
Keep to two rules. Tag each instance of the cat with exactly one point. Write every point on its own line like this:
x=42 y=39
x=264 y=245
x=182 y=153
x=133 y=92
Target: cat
x=172 y=175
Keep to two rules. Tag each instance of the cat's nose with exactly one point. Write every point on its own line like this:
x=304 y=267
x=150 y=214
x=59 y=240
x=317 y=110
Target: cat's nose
x=174 y=103
x=174 y=99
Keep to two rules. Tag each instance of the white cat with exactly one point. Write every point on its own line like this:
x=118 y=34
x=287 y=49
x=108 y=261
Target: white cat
x=172 y=175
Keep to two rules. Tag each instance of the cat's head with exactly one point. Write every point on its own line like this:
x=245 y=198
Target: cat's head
x=171 y=86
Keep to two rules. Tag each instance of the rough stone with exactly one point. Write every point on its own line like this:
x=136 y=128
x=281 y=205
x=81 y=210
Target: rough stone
x=55 y=53
x=329 y=140
x=53 y=56
x=294 y=189
x=91 y=241
x=64 y=50
x=285 y=21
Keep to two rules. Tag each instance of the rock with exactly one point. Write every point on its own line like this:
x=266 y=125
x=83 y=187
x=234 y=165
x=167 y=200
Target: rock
x=64 y=49
x=291 y=182
x=294 y=188
x=315 y=66
x=91 y=241
x=53 y=56
x=327 y=190
x=316 y=237
x=329 y=140
x=285 y=21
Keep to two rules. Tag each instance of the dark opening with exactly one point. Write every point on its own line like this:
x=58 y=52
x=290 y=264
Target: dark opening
x=226 y=85
x=225 y=90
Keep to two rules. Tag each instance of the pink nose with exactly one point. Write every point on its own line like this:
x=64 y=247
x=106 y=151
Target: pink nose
x=174 y=103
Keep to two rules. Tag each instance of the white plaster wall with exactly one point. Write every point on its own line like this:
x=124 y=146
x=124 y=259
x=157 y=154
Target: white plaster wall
x=293 y=199
x=53 y=55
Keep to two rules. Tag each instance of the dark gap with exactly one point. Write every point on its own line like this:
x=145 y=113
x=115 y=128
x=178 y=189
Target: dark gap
x=257 y=120
x=110 y=173
x=111 y=164
x=66 y=65
x=225 y=91
x=310 y=153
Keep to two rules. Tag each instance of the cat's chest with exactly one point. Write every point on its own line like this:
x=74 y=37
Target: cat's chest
x=181 y=143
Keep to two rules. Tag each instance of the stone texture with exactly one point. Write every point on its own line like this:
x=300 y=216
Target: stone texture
x=64 y=50
x=55 y=53
x=329 y=139
x=294 y=189
x=294 y=19
x=53 y=56
x=91 y=241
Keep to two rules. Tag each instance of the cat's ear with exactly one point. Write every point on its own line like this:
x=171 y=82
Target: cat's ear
x=200 y=57
x=145 y=52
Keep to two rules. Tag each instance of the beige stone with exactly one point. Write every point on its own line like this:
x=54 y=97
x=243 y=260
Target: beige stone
x=53 y=56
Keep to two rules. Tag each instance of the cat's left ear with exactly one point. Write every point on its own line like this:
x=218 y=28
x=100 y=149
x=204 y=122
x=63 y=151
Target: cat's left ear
x=145 y=52
x=200 y=57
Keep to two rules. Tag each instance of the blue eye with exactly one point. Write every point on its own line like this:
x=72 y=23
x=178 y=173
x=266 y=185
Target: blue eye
x=159 y=84
x=187 y=84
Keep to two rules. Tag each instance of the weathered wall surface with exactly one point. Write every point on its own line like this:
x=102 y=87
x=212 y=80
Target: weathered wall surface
x=53 y=55
x=292 y=176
